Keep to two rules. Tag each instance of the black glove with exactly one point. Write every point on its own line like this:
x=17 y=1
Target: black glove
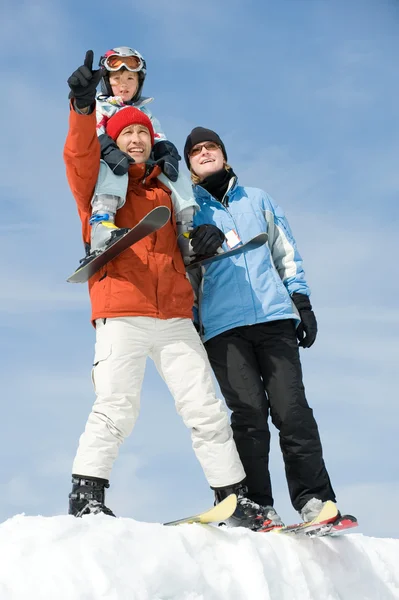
x=166 y=155
x=117 y=160
x=206 y=239
x=84 y=81
x=307 y=329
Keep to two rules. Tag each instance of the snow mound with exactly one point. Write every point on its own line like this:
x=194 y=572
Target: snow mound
x=99 y=557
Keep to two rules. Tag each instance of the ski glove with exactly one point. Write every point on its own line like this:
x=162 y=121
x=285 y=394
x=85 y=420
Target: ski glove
x=84 y=81
x=117 y=160
x=307 y=329
x=206 y=239
x=166 y=155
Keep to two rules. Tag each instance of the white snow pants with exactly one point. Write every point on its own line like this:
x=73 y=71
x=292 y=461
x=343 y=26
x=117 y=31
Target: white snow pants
x=122 y=347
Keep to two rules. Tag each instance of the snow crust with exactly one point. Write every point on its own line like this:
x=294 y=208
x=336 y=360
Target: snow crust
x=99 y=557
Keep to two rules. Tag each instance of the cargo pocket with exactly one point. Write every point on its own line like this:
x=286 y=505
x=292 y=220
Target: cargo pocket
x=127 y=262
x=102 y=352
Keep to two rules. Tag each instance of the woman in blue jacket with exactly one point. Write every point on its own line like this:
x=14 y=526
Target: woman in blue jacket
x=253 y=310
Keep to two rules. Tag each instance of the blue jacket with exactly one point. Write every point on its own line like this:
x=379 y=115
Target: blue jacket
x=254 y=287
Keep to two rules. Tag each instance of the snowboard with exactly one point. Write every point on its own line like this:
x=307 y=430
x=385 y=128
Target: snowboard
x=220 y=512
x=328 y=522
x=253 y=243
x=153 y=221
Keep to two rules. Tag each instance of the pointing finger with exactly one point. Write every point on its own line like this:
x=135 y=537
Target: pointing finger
x=89 y=59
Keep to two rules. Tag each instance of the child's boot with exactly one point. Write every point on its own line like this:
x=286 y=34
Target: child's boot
x=104 y=232
x=184 y=224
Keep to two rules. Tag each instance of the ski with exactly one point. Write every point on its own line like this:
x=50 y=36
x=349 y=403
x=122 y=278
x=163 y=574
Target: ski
x=328 y=522
x=328 y=514
x=336 y=528
x=255 y=242
x=219 y=512
x=153 y=221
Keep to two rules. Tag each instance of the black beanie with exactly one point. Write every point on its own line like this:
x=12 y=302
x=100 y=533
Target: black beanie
x=198 y=135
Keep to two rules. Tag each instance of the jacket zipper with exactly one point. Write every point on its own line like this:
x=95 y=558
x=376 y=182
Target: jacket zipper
x=225 y=207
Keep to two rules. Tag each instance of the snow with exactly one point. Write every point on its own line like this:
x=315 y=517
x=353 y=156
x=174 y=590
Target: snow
x=99 y=557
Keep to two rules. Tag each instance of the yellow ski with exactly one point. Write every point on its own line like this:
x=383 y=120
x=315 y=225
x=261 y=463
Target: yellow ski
x=220 y=512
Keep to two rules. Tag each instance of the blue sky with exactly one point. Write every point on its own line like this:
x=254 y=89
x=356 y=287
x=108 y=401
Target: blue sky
x=304 y=94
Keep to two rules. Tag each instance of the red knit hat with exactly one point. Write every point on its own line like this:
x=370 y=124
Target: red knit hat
x=125 y=117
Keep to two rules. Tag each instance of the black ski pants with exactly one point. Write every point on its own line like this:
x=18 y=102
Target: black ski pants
x=259 y=372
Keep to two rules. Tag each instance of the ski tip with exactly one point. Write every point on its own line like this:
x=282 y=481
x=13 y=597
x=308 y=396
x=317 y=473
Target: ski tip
x=221 y=511
x=344 y=522
x=164 y=212
x=218 y=513
x=231 y=500
x=261 y=237
x=71 y=279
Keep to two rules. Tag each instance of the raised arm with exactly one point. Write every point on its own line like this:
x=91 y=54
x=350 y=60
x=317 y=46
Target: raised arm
x=82 y=157
x=82 y=149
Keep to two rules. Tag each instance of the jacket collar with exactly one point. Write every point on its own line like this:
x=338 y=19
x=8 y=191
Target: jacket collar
x=143 y=173
x=143 y=100
x=202 y=195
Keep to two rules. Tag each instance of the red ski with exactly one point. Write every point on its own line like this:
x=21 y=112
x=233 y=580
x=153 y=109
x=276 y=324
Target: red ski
x=328 y=522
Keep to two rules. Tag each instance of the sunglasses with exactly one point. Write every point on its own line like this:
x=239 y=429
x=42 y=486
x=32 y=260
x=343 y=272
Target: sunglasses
x=212 y=146
x=115 y=62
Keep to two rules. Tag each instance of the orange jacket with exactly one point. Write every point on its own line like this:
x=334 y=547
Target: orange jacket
x=148 y=279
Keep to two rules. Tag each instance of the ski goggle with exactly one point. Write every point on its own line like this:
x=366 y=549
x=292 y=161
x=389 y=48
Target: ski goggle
x=115 y=62
x=212 y=146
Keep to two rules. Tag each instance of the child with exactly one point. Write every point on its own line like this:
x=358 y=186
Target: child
x=124 y=71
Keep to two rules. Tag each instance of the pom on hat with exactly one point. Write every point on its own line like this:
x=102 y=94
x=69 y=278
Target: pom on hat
x=125 y=117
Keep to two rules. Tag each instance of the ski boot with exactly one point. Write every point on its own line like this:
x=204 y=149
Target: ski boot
x=311 y=509
x=186 y=249
x=272 y=519
x=184 y=225
x=247 y=514
x=87 y=496
x=104 y=233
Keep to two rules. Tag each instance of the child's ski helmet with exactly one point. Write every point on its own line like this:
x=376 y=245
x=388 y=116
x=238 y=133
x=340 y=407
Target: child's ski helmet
x=115 y=59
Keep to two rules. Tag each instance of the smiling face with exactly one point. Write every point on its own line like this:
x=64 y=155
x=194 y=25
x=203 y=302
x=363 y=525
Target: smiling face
x=135 y=140
x=124 y=84
x=206 y=158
